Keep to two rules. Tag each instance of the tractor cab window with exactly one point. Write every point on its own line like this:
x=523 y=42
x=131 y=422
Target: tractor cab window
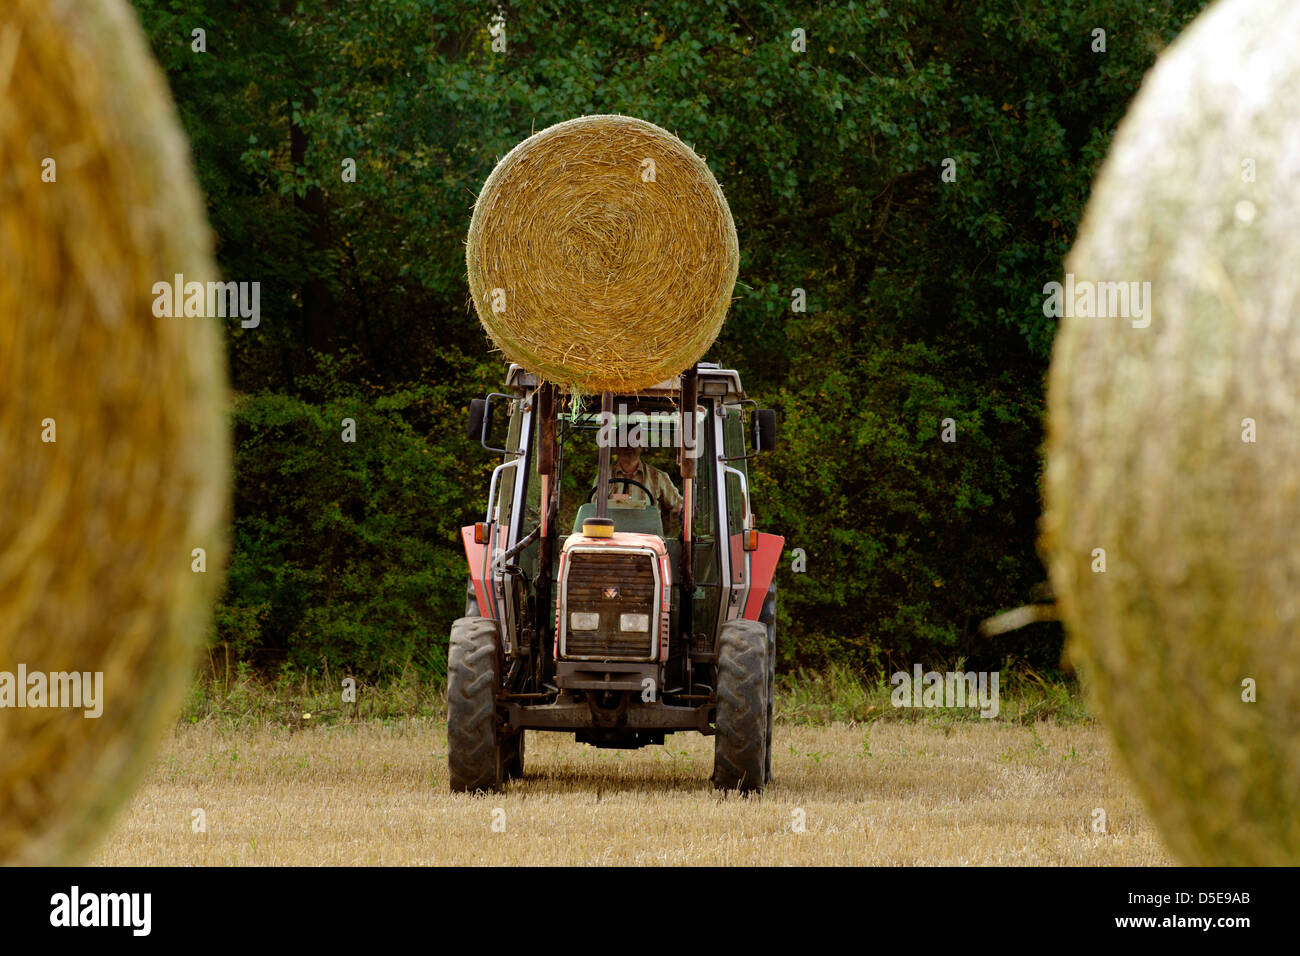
x=733 y=433
x=506 y=481
x=645 y=483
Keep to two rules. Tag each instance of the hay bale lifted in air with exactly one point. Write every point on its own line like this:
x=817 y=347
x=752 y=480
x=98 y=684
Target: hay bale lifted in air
x=97 y=526
x=602 y=254
x=1150 y=455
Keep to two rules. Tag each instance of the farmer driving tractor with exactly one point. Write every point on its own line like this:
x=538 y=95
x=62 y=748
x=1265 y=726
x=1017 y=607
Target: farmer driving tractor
x=630 y=466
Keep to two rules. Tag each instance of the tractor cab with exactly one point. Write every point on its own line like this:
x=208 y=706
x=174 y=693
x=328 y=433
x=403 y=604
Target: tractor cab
x=609 y=602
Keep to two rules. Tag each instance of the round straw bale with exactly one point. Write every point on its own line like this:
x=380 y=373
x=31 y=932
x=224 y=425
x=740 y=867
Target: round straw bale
x=111 y=421
x=602 y=254
x=1172 y=483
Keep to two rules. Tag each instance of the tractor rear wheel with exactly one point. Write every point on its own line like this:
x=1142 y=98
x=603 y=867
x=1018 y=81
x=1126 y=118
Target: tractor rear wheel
x=474 y=754
x=740 y=739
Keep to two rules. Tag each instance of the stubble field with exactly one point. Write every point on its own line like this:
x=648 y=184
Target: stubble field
x=881 y=794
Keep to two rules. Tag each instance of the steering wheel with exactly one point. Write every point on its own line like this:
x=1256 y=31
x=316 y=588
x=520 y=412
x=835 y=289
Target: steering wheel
x=627 y=481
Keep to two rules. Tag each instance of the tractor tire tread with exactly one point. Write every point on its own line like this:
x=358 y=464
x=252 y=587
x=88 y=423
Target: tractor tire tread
x=740 y=730
x=473 y=747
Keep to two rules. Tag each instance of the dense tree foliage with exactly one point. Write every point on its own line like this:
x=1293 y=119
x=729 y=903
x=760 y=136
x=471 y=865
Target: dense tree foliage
x=924 y=291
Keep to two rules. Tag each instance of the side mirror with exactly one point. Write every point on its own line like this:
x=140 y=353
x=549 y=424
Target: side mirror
x=765 y=430
x=477 y=407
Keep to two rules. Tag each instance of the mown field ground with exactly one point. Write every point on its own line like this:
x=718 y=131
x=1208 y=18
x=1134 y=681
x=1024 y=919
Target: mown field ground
x=882 y=792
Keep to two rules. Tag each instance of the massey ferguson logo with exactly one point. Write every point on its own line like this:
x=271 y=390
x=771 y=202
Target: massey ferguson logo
x=611 y=592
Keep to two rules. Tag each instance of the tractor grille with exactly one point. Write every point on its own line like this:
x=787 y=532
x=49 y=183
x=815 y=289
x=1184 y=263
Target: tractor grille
x=587 y=577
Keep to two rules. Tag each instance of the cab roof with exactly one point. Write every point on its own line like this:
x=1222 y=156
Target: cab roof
x=714 y=381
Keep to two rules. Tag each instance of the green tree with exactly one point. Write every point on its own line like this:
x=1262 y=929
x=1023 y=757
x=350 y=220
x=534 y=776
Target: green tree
x=923 y=293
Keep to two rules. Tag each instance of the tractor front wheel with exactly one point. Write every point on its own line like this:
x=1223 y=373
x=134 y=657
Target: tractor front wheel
x=768 y=619
x=474 y=752
x=740 y=728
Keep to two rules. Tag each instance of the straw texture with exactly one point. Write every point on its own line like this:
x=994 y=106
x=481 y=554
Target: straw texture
x=1200 y=595
x=602 y=254
x=97 y=527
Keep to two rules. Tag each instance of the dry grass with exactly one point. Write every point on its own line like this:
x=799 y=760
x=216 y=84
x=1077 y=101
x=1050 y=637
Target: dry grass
x=880 y=794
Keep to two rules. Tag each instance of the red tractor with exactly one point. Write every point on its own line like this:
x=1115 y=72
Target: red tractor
x=598 y=608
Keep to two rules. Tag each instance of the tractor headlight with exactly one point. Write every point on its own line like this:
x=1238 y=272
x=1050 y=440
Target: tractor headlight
x=637 y=623
x=584 y=620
